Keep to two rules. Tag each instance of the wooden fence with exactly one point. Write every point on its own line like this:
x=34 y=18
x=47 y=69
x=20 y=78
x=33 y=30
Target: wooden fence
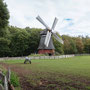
x=5 y=81
x=37 y=57
x=43 y=57
x=52 y=57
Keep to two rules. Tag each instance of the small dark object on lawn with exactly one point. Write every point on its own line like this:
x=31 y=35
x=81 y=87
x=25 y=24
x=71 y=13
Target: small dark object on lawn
x=27 y=59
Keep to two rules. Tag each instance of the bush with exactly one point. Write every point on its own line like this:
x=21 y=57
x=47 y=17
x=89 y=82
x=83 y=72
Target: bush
x=4 y=47
x=57 y=54
x=1 y=82
x=14 y=79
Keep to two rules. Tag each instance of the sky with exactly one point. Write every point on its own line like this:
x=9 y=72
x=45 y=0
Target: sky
x=73 y=15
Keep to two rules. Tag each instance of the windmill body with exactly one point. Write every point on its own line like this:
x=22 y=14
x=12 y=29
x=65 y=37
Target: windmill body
x=42 y=49
x=46 y=42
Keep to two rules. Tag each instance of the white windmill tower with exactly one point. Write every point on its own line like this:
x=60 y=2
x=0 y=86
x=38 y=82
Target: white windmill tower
x=46 y=43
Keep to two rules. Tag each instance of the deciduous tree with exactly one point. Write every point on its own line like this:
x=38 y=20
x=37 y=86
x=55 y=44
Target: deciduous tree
x=4 y=16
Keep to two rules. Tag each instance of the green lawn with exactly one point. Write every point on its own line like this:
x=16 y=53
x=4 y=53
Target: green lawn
x=62 y=73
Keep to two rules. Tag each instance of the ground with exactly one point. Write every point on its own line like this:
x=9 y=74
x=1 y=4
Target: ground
x=63 y=74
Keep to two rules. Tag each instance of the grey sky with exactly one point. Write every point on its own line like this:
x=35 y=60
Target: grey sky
x=73 y=15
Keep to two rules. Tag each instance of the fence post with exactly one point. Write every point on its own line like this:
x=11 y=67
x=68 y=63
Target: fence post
x=5 y=83
x=8 y=74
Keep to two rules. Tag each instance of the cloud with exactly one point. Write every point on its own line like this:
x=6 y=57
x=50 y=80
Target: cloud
x=73 y=15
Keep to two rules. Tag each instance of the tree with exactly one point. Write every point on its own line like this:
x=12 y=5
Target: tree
x=23 y=41
x=19 y=41
x=4 y=42
x=58 y=45
x=69 y=45
x=66 y=46
x=4 y=16
x=79 y=45
x=34 y=39
x=87 y=46
x=4 y=47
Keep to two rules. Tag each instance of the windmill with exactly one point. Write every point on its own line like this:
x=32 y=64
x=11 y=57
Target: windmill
x=46 y=42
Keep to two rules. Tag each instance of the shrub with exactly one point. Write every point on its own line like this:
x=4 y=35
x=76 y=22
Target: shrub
x=14 y=79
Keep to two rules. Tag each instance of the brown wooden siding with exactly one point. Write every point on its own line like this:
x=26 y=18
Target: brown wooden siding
x=46 y=51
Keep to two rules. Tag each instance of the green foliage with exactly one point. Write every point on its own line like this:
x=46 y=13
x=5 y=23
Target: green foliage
x=19 y=41
x=34 y=38
x=4 y=42
x=4 y=47
x=87 y=46
x=2 y=69
x=58 y=45
x=1 y=82
x=88 y=87
x=14 y=79
x=73 y=47
x=23 y=42
x=79 y=45
x=4 y=16
x=69 y=45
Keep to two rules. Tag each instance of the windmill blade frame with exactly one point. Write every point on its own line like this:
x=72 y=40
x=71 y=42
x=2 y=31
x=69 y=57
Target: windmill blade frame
x=41 y=21
x=58 y=39
x=54 y=23
x=47 y=39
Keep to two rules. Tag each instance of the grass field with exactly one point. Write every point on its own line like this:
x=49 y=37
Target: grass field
x=65 y=74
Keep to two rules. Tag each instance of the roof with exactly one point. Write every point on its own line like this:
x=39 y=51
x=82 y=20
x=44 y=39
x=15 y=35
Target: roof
x=44 y=32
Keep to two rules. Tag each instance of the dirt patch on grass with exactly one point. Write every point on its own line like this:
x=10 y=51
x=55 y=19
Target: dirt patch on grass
x=50 y=83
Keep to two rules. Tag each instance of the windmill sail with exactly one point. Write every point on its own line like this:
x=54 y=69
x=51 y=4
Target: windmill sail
x=54 y=23
x=47 y=39
x=49 y=31
x=48 y=36
x=57 y=38
x=40 y=20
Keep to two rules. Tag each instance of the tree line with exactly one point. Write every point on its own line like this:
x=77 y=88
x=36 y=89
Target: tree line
x=16 y=41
